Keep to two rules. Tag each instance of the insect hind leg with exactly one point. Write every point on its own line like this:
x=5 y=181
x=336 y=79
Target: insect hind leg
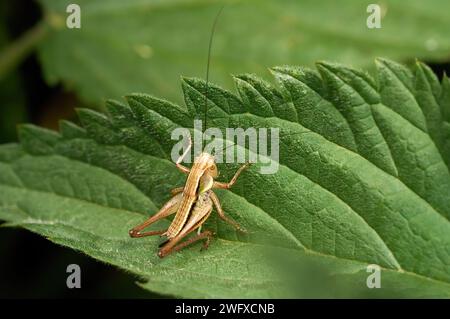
x=169 y=208
x=207 y=235
x=136 y=234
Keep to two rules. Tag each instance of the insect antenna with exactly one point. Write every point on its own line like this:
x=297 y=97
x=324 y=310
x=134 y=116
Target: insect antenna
x=223 y=149
x=211 y=37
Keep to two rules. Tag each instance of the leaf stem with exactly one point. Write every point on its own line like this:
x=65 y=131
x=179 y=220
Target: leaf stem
x=16 y=52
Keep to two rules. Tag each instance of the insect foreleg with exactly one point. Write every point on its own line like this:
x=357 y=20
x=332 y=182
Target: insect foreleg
x=177 y=190
x=181 y=167
x=222 y=215
x=169 y=208
x=233 y=180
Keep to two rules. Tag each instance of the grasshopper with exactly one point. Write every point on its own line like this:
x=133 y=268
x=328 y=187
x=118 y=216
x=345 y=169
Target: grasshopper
x=193 y=203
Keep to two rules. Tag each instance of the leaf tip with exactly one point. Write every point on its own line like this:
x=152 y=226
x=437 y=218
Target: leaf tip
x=133 y=97
x=80 y=111
x=280 y=70
x=380 y=62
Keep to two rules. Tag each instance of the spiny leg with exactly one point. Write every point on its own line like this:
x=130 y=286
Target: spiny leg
x=233 y=180
x=169 y=208
x=171 y=244
x=207 y=234
x=222 y=215
x=137 y=234
x=177 y=190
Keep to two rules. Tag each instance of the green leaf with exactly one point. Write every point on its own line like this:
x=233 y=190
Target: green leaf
x=144 y=45
x=363 y=179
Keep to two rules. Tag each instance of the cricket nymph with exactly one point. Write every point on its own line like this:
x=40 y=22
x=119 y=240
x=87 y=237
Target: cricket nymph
x=200 y=179
x=191 y=204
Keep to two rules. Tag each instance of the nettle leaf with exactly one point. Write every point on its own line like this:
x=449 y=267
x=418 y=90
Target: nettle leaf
x=363 y=179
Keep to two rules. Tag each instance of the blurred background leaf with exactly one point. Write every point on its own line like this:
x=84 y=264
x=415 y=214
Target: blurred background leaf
x=144 y=46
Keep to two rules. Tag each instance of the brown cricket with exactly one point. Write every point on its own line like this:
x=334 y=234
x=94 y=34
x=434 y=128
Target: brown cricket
x=192 y=204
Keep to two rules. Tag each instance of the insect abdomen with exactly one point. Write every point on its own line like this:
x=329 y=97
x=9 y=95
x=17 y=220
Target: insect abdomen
x=181 y=216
